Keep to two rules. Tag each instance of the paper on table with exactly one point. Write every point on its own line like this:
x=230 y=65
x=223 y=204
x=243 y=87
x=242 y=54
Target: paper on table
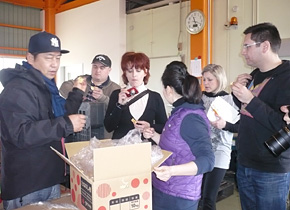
x=223 y=109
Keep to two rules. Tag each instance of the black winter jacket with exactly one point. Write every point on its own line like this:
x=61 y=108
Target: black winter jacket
x=29 y=129
x=267 y=120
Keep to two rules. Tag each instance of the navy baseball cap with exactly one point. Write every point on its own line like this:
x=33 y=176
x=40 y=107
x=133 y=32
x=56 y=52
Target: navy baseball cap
x=45 y=42
x=103 y=59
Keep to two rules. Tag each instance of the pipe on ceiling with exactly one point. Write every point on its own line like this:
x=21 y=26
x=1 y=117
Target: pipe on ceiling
x=151 y=6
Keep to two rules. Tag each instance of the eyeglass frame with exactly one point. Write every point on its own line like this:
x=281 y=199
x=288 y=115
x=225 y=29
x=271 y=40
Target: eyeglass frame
x=247 y=46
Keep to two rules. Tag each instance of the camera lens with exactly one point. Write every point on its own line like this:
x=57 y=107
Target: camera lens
x=279 y=142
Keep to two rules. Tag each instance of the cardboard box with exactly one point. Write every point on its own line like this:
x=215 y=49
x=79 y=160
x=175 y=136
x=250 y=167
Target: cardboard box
x=122 y=177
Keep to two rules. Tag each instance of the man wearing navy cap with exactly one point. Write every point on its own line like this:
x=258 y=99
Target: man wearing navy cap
x=34 y=117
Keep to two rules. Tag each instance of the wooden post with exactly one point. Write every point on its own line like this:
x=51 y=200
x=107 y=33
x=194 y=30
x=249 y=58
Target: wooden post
x=199 y=43
x=49 y=15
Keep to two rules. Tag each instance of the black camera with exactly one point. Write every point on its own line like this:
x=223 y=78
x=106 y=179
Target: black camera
x=280 y=141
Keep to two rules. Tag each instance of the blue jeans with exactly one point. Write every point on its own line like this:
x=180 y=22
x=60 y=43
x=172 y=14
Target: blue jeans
x=41 y=195
x=262 y=190
x=163 y=201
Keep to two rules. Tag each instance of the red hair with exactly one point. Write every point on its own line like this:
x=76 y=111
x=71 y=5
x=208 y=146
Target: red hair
x=137 y=60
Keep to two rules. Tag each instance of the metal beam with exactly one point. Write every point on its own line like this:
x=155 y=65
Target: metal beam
x=58 y=3
x=139 y=2
x=20 y=27
x=73 y=4
x=39 y=4
x=151 y=6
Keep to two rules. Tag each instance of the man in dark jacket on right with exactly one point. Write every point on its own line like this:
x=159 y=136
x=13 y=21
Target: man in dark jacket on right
x=263 y=179
x=34 y=117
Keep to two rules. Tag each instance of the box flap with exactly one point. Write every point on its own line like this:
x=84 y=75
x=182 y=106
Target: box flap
x=68 y=161
x=113 y=161
x=118 y=161
x=166 y=154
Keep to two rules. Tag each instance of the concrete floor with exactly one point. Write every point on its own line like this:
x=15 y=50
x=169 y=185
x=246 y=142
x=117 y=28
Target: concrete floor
x=230 y=203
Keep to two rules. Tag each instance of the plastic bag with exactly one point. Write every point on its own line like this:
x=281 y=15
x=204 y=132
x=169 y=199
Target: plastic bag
x=49 y=206
x=156 y=154
x=84 y=161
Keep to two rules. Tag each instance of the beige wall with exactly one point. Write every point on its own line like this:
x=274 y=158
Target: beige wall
x=158 y=38
x=156 y=33
x=103 y=27
x=99 y=27
x=227 y=43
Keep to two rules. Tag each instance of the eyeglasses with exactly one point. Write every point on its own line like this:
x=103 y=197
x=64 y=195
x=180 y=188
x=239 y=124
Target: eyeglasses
x=247 y=46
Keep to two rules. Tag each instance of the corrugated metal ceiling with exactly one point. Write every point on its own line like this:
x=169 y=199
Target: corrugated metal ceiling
x=131 y=5
x=134 y=4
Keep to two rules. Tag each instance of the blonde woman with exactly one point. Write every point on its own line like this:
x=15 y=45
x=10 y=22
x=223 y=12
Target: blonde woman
x=215 y=83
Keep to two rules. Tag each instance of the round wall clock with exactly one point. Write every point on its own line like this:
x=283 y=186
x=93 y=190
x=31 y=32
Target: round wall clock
x=195 y=21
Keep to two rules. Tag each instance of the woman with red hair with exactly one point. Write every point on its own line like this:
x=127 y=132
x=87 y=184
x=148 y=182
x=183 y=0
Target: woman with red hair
x=124 y=112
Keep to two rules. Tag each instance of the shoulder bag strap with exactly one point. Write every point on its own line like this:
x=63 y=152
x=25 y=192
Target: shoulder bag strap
x=137 y=97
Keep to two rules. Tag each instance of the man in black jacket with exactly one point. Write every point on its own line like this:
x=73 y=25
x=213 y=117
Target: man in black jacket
x=263 y=179
x=34 y=117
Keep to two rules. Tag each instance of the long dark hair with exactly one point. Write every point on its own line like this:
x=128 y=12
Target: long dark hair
x=177 y=77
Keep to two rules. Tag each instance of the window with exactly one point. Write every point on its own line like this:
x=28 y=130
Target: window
x=9 y=63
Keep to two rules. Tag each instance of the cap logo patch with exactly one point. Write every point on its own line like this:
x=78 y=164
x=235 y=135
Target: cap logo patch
x=103 y=59
x=100 y=58
x=54 y=42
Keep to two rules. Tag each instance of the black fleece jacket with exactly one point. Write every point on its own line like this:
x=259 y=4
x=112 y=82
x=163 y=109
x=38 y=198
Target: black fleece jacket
x=267 y=120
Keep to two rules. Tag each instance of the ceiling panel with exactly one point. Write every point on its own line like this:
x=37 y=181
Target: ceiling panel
x=130 y=4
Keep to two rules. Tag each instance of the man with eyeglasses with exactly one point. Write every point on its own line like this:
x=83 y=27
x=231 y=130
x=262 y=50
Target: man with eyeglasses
x=263 y=179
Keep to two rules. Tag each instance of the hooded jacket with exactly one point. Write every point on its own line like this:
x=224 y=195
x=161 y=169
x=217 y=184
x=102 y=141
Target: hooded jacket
x=266 y=120
x=29 y=129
